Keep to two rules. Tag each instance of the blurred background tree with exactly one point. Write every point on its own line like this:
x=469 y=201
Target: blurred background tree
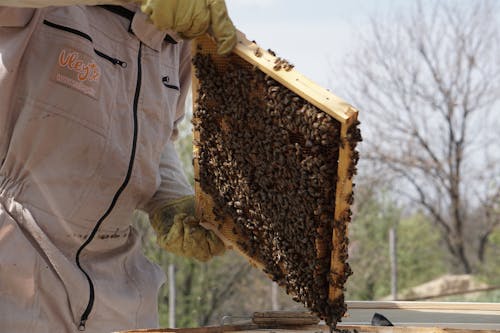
x=419 y=255
x=426 y=82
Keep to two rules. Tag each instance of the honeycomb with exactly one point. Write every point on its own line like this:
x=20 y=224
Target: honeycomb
x=274 y=158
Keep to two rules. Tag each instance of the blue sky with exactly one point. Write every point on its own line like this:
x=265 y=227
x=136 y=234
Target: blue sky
x=314 y=35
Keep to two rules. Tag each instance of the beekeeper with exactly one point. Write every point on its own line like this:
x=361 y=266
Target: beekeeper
x=89 y=101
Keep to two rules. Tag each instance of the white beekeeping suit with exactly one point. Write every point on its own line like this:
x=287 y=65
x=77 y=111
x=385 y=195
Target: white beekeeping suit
x=89 y=99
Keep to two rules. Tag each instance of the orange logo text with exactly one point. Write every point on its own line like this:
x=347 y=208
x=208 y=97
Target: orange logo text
x=74 y=61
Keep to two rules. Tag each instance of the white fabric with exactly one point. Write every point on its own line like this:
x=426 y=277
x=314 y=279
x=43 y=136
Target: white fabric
x=66 y=133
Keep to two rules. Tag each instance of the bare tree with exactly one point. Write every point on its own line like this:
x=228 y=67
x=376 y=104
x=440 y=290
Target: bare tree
x=427 y=83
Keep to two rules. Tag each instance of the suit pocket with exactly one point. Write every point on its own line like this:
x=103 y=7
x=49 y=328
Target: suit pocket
x=75 y=78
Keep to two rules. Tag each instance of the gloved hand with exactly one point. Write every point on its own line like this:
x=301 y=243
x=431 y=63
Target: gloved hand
x=179 y=232
x=191 y=18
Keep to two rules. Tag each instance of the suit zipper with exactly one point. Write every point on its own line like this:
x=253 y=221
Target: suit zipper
x=90 y=304
x=101 y=54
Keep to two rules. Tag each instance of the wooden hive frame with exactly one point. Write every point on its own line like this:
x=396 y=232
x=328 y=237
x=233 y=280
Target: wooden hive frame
x=321 y=98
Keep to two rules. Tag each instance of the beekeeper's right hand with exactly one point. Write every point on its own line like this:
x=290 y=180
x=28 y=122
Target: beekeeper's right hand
x=192 y=18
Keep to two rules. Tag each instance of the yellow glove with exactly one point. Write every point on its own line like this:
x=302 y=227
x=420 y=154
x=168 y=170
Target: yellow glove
x=191 y=18
x=179 y=232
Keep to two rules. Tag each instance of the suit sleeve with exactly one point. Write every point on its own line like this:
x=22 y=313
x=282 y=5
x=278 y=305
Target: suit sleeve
x=174 y=183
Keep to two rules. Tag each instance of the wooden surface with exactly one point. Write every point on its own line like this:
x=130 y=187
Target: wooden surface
x=342 y=206
x=415 y=328
x=469 y=307
x=457 y=315
x=284 y=318
x=319 y=329
x=408 y=317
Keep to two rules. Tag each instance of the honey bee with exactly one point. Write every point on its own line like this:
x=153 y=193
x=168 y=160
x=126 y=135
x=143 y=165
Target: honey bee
x=289 y=67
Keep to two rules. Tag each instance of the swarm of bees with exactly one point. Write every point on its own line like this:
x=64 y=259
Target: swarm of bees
x=268 y=159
